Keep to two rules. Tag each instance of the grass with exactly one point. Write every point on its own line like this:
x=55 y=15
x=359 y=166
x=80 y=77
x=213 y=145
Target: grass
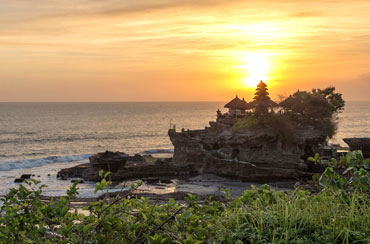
x=260 y=215
x=246 y=123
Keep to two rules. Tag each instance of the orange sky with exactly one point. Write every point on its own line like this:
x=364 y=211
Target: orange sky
x=170 y=50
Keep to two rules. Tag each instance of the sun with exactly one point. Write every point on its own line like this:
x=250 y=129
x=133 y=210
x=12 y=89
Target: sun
x=256 y=68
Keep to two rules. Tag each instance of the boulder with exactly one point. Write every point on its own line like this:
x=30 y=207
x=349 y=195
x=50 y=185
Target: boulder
x=23 y=177
x=109 y=161
x=362 y=144
x=26 y=176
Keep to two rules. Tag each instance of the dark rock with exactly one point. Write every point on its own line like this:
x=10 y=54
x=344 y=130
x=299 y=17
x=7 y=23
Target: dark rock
x=252 y=155
x=77 y=180
x=166 y=181
x=134 y=171
x=246 y=154
x=18 y=180
x=136 y=158
x=151 y=180
x=48 y=174
x=167 y=160
x=26 y=176
x=109 y=161
x=362 y=144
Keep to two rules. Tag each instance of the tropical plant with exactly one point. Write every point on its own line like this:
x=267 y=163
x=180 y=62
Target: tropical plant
x=260 y=215
x=351 y=172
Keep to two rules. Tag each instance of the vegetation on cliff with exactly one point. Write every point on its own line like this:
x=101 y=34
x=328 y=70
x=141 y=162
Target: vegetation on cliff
x=318 y=108
x=338 y=213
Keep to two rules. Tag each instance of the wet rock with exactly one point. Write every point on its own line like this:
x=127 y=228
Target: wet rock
x=136 y=158
x=77 y=180
x=151 y=180
x=109 y=161
x=362 y=144
x=26 y=176
x=23 y=177
x=134 y=171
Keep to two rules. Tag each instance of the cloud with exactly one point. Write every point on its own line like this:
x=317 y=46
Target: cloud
x=306 y=14
x=308 y=41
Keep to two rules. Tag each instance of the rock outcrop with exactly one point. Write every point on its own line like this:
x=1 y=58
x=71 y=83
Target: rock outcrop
x=109 y=161
x=252 y=155
x=359 y=144
x=257 y=154
x=132 y=170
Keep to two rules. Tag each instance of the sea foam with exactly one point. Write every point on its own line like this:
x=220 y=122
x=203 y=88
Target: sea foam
x=6 y=165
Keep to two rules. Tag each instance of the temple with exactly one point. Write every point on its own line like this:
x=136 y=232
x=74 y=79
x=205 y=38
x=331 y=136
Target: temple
x=237 y=106
x=261 y=103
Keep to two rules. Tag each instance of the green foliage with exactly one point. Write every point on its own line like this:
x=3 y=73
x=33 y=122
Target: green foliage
x=334 y=99
x=350 y=173
x=317 y=108
x=260 y=215
x=281 y=125
x=248 y=122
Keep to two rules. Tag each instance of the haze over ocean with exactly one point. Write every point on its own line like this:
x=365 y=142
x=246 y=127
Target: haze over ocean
x=42 y=138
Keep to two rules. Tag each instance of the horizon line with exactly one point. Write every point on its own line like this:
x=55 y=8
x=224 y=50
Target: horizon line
x=134 y=101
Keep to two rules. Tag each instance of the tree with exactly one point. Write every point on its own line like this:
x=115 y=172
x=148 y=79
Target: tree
x=317 y=108
x=334 y=99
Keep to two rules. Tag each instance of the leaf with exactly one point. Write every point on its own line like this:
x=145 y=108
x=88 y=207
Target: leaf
x=311 y=159
x=64 y=211
x=101 y=172
x=106 y=174
x=347 y=170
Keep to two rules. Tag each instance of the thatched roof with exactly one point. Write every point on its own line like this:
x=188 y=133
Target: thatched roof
x=237 y=103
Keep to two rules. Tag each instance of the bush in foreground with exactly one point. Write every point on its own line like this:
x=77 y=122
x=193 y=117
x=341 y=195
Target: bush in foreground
x=260 y=215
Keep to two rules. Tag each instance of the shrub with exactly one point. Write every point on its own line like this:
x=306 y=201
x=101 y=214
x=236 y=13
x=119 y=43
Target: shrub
x=248 y=122
x=260 y=215
x=350 y=173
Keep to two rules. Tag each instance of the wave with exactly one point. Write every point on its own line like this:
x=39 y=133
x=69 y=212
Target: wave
x=38 y=162
x=157 y=151
x=73 y=138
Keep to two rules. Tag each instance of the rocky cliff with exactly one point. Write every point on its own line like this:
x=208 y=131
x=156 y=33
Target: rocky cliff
x=256 y=154
x=252 y=155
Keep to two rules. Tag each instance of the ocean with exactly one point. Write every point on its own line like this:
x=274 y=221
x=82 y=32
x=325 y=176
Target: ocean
x=42 y=138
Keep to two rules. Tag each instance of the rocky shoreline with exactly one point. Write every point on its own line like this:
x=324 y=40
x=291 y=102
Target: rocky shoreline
x=258 y=155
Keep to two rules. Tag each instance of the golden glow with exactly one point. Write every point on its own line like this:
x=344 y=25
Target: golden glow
x=170 y=50
x=256 y=67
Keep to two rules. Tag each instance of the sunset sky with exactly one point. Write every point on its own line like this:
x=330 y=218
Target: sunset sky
x=171 y=50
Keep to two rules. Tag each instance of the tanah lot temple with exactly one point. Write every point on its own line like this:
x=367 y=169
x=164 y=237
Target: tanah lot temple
x=261 y=103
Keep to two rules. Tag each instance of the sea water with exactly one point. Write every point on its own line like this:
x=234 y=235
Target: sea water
x=42 y=138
